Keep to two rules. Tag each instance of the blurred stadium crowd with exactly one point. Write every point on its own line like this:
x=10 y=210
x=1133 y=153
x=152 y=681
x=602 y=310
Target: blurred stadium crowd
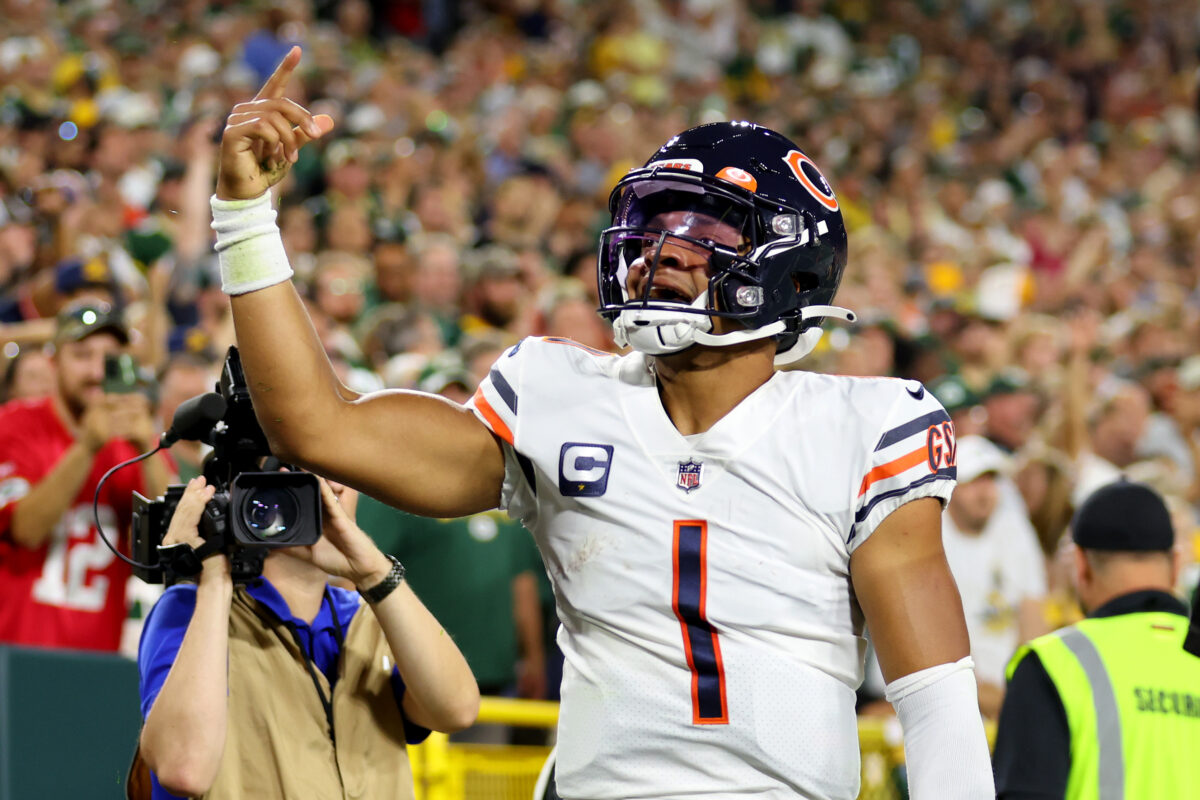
x=1018 y=178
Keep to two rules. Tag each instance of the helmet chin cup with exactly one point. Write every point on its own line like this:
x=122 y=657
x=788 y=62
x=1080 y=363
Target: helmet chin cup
x=659 y=331
x=807 y=341
x=805 y=344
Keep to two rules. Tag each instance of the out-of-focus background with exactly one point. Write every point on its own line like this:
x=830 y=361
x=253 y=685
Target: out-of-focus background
x=1018 y=178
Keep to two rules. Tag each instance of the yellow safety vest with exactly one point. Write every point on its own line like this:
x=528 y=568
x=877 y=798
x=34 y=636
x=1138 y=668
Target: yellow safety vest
x=1132 y=700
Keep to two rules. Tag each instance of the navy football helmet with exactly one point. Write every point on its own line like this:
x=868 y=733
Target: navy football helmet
x=760 y=211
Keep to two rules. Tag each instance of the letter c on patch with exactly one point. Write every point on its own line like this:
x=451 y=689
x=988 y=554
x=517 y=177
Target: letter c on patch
x=583 y=469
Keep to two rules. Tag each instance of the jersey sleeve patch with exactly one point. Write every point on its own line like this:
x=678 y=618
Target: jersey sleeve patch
x=913 y=458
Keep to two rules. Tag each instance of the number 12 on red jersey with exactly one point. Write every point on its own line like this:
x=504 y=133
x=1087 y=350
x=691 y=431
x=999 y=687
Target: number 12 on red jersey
x=700 y=641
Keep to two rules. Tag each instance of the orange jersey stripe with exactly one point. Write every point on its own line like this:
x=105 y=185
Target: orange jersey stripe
x=493 y=419
x=894 y=468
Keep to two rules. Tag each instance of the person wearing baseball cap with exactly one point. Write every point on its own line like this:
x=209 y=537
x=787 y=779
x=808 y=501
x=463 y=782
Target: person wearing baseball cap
x=53 y=451
x=1108 y=707
x=81 y=320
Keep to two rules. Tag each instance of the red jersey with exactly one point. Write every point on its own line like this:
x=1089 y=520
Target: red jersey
x=70 y=592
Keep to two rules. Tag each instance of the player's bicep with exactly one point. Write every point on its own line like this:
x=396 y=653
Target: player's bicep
x=907 y=594
x=419 y=452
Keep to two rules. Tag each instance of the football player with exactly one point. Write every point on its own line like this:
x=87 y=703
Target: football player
x=718 y=532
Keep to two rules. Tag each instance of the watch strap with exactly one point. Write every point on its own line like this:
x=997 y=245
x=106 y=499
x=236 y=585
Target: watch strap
x=382 y=589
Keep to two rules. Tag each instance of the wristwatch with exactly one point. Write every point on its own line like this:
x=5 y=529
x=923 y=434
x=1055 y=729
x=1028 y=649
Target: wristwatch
x=385 y=586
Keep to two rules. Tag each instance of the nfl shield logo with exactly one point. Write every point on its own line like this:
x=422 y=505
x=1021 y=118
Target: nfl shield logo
x=689 y=475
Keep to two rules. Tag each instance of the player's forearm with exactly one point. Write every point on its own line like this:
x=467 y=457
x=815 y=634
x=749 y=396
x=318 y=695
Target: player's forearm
x=38 y=512
x=944 y=741
x=292 y=384
x=184 y=735
x=441 y=692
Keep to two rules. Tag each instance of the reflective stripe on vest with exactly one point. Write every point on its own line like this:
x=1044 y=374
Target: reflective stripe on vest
x=1108 y=716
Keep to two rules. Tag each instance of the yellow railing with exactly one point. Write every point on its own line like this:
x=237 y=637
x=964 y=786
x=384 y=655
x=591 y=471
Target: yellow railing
x=445 y=770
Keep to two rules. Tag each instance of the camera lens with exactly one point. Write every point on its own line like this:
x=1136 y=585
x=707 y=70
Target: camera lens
x=270 y=512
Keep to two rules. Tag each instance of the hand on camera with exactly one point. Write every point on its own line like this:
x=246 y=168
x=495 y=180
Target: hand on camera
x=344 y=549
x=185 y=527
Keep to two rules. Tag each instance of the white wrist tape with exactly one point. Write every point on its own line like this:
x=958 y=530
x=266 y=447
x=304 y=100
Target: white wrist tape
x=249 y=246
x=944 y=742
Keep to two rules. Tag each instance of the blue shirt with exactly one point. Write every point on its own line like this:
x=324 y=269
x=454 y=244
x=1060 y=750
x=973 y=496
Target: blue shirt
x=168 y=620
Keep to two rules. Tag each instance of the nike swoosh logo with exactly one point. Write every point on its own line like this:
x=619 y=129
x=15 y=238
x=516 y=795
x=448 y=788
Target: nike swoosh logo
x=916 y=394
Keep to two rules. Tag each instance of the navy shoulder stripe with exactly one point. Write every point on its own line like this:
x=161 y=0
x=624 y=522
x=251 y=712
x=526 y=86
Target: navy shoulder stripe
x=504 y=389
x=944 y=474
x=902 y=432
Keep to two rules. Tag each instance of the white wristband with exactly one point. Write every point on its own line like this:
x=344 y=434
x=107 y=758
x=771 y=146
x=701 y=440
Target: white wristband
x=249 y=247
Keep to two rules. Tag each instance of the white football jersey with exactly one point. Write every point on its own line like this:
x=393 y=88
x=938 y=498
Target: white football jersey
x=711 y=637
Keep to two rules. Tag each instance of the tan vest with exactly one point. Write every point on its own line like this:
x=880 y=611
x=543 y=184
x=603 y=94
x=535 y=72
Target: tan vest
x=277 y=743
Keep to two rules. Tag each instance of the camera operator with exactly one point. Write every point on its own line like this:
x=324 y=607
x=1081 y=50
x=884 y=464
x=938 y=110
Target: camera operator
x=60 y=586
x=286 y=687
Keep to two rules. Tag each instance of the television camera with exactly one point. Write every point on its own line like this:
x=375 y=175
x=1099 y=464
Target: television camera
x=256 y=506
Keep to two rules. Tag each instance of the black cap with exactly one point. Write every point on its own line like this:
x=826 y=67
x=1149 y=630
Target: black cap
x=1123 y=516
x=81 y=320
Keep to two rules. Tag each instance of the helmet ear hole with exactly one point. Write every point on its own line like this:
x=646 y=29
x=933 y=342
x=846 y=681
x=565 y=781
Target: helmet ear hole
x=804 y=282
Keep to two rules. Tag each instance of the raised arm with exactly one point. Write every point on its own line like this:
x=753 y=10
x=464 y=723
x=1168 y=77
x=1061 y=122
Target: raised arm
x=419 y=452
x=913 y=611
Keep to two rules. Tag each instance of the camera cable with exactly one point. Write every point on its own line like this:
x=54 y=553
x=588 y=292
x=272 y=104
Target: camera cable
x=96 y=507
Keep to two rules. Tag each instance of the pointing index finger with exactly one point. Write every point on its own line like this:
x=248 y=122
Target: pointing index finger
x=279 y=78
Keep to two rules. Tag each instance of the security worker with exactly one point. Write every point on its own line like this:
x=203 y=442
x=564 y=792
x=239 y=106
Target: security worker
x=1108 y=708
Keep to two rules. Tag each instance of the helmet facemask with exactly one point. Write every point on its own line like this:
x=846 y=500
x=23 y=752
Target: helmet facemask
x=738 y=236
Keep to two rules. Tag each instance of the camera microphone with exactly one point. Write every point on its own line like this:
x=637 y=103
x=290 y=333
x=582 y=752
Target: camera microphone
x=194 y=418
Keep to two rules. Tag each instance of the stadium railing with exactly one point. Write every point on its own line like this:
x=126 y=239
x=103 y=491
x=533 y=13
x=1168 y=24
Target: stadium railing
x=448 y=770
